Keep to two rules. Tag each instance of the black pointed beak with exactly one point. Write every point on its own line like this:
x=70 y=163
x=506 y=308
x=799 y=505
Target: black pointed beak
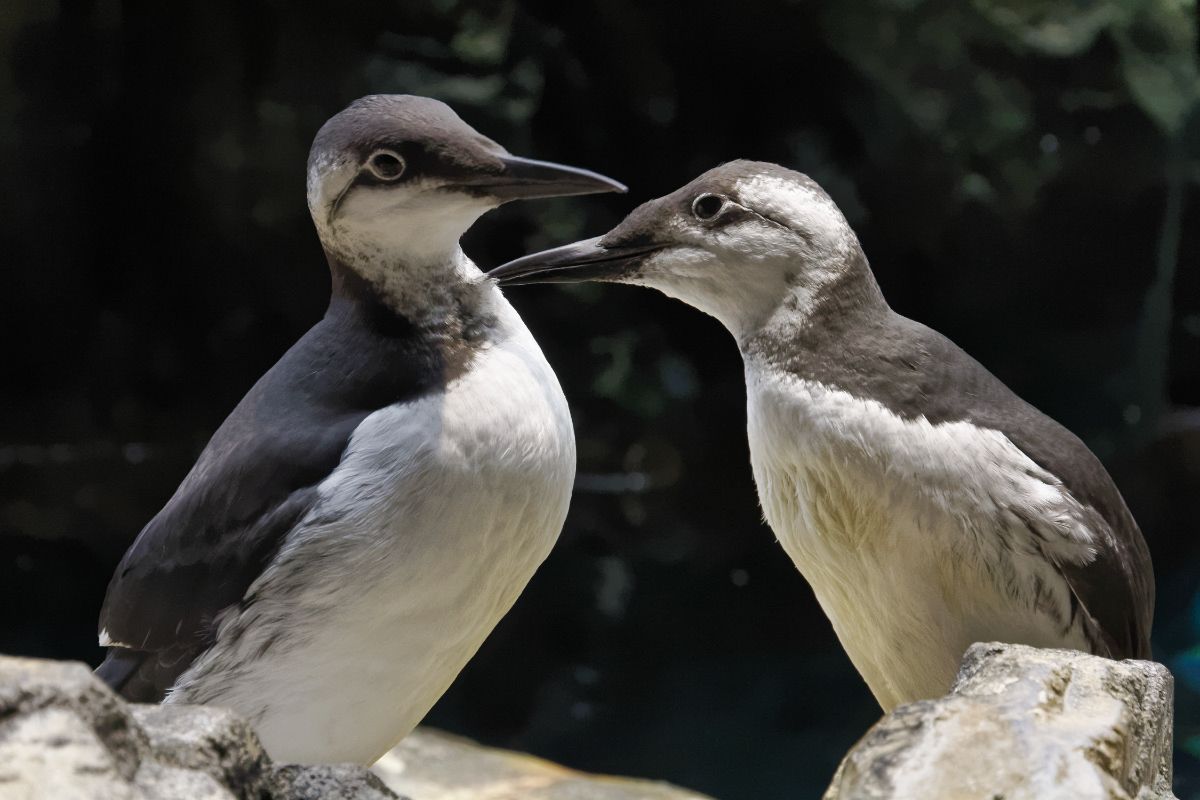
x=588 y=260
x=525 y=179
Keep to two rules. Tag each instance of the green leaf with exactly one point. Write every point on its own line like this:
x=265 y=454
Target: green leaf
x=1158 y=61
x=1052 y=27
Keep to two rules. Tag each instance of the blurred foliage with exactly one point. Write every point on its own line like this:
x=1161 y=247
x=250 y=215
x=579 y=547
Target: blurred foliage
x=1024 y=176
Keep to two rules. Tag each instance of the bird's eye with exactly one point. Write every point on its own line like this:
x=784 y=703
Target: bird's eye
x=385 y=165
x=707 y=206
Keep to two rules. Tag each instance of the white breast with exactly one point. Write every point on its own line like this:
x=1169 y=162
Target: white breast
x=912 y=535
x=424 y=537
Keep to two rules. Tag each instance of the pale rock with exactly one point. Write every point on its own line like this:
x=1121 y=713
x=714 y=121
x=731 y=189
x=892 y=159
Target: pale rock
x=65 y=736
x=430 y=765
x=1023 y=724
x=209 y=740
x=1020 y=724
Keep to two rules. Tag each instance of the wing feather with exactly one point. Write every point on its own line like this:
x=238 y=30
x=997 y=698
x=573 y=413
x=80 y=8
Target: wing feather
x=257 y=477
x=917 y=372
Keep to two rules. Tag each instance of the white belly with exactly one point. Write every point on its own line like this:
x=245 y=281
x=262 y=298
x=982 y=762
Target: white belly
x=426 y=533
x=904 y=601
x=911 y=560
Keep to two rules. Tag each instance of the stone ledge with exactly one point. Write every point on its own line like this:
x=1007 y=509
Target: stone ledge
x=431 y=765
x=1020 y=723
x=1023 y=723
x=64 y=735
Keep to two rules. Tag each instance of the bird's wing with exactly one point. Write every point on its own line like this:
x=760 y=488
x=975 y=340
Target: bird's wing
x=1115 y=590
x=917 y=372
x=254 y=481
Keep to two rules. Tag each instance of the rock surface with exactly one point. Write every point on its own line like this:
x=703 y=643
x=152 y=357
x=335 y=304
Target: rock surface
x=430 y=765
x=64 y=735
x=1023 y=723
x=1020 y=724
x=330 y=782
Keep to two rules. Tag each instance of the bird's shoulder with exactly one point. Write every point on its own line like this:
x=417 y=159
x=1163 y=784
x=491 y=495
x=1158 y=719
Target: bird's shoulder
x=258 y=476
x=1116 y=588
x=916 y=372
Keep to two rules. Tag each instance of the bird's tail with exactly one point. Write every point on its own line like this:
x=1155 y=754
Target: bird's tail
x=122 y=671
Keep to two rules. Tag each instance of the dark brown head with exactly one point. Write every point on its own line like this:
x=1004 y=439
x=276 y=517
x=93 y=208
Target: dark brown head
x=404 y=174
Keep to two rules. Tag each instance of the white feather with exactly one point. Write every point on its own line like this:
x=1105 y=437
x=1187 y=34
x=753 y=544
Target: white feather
x=910 y=533
x=918 y=539
x=425 y=534
x=741 y=273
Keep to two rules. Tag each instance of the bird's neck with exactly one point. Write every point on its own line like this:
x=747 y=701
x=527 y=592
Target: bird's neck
x=448 y=297
x=817 y=309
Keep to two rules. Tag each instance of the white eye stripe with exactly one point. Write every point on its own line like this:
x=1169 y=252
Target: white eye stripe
x=386 y=165
x=808 y=213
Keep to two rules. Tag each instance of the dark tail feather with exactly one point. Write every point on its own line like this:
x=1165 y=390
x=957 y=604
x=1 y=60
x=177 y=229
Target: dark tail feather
x=129 y=673
x=119 y=666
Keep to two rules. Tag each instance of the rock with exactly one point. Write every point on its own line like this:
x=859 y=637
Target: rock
x=1023 y=723
x=158 y=781
x=329 y=782
x=56 y=691
x=214 y=741
x=55 y=752
x=65 y=735
x=430 y=765
x=1020 y=724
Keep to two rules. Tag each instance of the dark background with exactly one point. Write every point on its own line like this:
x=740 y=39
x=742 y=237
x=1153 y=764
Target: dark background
x=1024 y=175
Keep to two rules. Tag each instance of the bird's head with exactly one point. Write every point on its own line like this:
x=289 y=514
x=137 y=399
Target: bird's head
x=400 y=177
x=736 y=243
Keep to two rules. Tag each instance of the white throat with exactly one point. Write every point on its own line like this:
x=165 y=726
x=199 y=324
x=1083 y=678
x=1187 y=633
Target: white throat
x=747 y=298
x=430 y=291
x=418 y=227
x=742 y=307
x=405 y=242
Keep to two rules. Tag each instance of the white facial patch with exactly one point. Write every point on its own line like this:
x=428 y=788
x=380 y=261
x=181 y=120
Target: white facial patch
x=741 y=295
x=742 y=273
x=327 y=179
x=414 y=222
x=403 y=237
x=801 y=209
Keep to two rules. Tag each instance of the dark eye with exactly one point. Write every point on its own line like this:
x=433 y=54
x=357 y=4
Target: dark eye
x=385 y=165
x=707 y=206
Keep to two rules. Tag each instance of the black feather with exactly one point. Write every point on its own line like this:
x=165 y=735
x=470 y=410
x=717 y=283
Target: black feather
x=256 y=479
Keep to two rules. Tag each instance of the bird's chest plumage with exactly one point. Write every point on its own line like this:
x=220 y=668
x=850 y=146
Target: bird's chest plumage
x=496 y=444
x=910 y=534
x=424 y=535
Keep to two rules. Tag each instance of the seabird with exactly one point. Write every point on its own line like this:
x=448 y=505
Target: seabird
x=927 y=505
x=378 y=500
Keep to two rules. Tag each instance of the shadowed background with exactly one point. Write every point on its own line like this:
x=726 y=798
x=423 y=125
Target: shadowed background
x=1024 y=175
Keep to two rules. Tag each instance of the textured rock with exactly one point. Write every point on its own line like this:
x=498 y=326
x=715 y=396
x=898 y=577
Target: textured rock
x=429 y=765
x=64 y=735
x=213 y=741
x=1023 y=723
x=1020 y=724
x=330 y=782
